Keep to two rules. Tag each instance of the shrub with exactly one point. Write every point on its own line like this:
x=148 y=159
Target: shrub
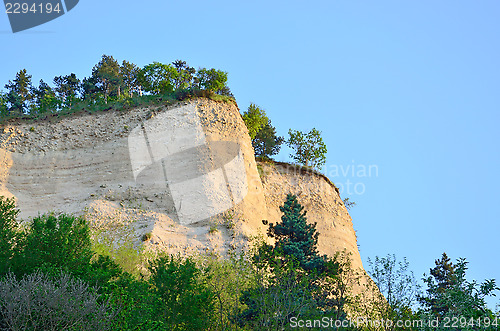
x=37 y=302
x=188 y=302
x=54 y=242
x=8 y=232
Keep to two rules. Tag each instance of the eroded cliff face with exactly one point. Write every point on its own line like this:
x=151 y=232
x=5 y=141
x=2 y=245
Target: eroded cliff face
x=179 y=178
x=320 y=199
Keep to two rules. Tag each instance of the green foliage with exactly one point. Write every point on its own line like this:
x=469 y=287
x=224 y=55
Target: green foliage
x=39 y=302
x=264 y=139
x=158 y=78
x=67 y=87
x=4 y=109
x=106 y=77
x=309 y=148
x=54 y=242
x=129 y=74
x=255 y=119
x=296 y=238
x=449 y=294
x=277 y=297
x=266 y=143
x=227 y=278
x=9 y=232
x=291 y=273
x=185 y=74
x=212 y=80
x=348 y=204
x=45 y=99
x=111 y=87
x=188 y=302
x=398 y=286
x=19 y=92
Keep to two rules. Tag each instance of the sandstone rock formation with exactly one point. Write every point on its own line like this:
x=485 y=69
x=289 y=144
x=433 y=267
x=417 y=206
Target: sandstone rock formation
x=183 y=178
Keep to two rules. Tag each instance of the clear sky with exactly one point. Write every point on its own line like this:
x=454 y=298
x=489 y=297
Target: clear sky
x=409 y=87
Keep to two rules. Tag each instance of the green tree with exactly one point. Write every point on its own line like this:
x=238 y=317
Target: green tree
x=185 y=75
x=266 y=143
x=264 y=139
x=129 y=73
x=450 y=295
x=9 y=232
x=290 y=272
x=442 y=277
x=158 y=78
x=106 y=76
x=212 y=80
x=45 y=99
x=227 y=277
x=4 y=109
x=54 y=242
x=67 y=87
x=90 y=89
x=309 y=148
x=19 y=92
x=295 y=237
x=189 y=302
x=255 y=119
x=277 y=297
x=398 y=286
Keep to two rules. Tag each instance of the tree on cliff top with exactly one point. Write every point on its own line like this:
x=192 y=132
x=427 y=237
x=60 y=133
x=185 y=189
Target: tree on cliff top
x=264 y=139
x=310 y=150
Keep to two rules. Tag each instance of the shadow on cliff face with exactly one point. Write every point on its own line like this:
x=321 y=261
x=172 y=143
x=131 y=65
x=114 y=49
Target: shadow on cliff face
x=201 y=178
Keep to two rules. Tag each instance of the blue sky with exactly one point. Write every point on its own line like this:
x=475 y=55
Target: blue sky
x=409 y=87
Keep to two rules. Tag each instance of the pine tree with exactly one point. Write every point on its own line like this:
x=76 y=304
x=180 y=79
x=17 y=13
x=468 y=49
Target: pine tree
x=107 y=78
x=441 y=279
x=295 y=238
x=19 y=92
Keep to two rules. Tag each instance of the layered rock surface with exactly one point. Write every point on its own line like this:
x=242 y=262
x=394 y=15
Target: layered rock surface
x=184 y=177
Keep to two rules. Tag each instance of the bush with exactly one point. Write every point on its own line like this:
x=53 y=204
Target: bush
x=54 y=242
x=188 y=302
x=8 y=232
x=37 y=302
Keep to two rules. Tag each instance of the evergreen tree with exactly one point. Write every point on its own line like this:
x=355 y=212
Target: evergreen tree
x=106 y=75
x=90 y=90
x=44 y=99
x=67 y=88
x=19 y=92
x=129 y=73
x=4 y=110
x=296 y=238
x=450 y=295
x=442 y=278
